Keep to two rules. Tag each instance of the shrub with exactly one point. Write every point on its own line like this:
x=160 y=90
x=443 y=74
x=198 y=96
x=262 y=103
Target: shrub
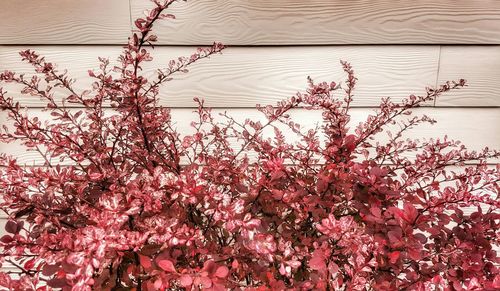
x=230 y=205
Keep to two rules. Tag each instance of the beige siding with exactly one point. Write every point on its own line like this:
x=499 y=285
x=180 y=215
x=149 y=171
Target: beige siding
x=242 y=22
x=245 y=76
x=480 y=66
x=64 y=22
x=291 y=22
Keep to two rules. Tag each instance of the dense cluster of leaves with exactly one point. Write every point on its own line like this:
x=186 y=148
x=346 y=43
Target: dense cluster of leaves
x=229 y=205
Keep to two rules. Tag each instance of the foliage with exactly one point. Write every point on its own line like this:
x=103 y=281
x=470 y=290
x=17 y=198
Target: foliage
x=232 y=205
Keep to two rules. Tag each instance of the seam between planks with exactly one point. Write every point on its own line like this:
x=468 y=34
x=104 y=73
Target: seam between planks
x=437 y=73
x=130 y=14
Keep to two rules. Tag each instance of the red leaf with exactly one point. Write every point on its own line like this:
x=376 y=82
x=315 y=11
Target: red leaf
x=158 y=284
x=11 y=226
x=57 y=283
x=394 y=256
x=350 y=142
x=222 y=272
x=410 y=212
x=6 y=239
x=435 y=185
x=185 y=280
x=235 y=264
x=166 y=265
x=414 y=252
x=145 y=261
x=205 y=282
x=317 y=262
x=29 y=264
x=49 y=270
x=395 y=238
x=139 y=23
x=95 y=176
x=165 y=16
x=496 y=282
x=333 y=268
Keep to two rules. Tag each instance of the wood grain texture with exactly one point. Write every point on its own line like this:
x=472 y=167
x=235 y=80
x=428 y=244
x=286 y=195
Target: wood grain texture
x=3 y=221
x=239 y=22
x=292 y=22
x=245 y=76
x=475 y=127
x=64 y=22
x=480 y=66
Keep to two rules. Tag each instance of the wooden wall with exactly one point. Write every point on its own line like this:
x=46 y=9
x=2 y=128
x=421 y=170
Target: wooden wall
x=257 y=22
x=395 y=47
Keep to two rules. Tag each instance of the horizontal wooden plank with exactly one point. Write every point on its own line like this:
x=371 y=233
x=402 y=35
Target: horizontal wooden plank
x=475 y=127
x=281 y=22
x=64 y=22
x=3 y=221
x=479 y=65
x=245 y=76
x=291 y=22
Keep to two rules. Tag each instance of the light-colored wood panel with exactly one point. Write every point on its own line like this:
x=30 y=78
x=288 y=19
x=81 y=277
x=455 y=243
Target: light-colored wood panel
x=64 y=22
x=261 y=22
x=480 y=66
x=475 y=127
x=255 y=22
x=245 y=76
x=3 y=221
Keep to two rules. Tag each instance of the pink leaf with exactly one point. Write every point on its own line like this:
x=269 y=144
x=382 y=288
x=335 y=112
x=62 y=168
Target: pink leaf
x=95 y=176
x=317 y=262
x=222 y=272
x=166 y=265
x=235 y=264
x=410 y=212
x=186 y=280
x=145 y=261
x=158 y=284
x=394 y=256
x=29 y=264
x=206 y=282
x=496 y=282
